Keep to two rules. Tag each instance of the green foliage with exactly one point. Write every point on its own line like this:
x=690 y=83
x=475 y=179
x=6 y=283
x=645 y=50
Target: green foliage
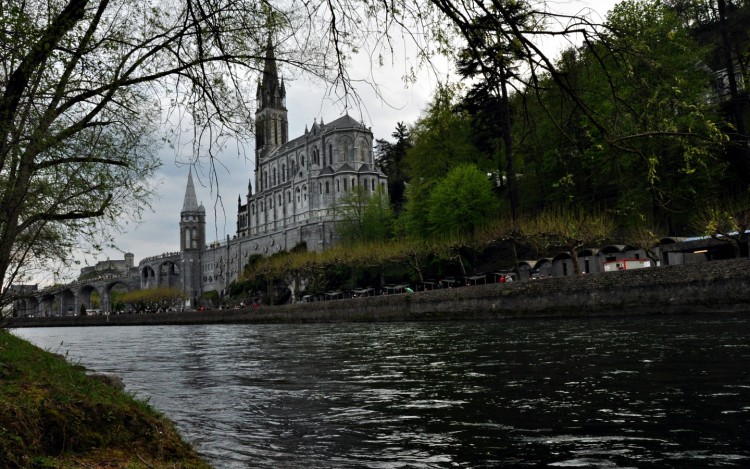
x=461 y=202
x=632 y=130
x=364 y=216
x=567 y=228
x=391 y=159
x=154 y=299
x=442 y=139
x=725 y=220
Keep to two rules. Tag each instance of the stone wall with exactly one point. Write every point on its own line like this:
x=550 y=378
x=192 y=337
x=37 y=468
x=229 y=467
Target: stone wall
x=718 y=286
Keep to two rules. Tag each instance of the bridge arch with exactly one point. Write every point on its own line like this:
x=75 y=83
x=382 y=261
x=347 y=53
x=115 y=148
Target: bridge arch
x=28 y=306
x=67 y=302
x=148 y=277
x=112 y=291
x=85 y=297
x=168 y=274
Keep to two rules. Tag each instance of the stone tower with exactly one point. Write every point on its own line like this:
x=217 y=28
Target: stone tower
x=271 y=125
x=192 y=241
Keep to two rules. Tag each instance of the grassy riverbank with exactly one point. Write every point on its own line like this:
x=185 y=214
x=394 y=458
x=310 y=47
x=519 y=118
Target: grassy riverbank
x=54 y=416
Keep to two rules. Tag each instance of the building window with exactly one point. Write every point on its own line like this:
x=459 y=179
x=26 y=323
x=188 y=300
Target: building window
x=345 y=188
x=327 y=188
x=283 y=173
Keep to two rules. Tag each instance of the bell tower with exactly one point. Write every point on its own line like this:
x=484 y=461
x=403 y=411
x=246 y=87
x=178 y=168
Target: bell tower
x=271 y=124
x=192 y=242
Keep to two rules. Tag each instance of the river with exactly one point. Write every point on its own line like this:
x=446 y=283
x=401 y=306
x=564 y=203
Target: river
x=651 y=391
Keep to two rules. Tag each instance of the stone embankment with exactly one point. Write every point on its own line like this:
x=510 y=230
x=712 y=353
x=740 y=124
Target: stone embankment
x=718 y=286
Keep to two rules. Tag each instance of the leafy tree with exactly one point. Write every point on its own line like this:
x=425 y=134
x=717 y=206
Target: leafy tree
x=726 y=221
x=364 y=216
x=390 y=158
x=653 y=146
x=645 y=236
x=721 y=26
x=154 y=299
x=442 y=139
x=571 y=229
x=461 y=202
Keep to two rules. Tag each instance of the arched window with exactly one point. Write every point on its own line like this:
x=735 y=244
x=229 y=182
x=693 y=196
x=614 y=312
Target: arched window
x=194 y=240
x=298 y=195
x=283 y=172
x=373 y=184
x=362 y=153
x=338 y=185
x=187 y=238
x=274 y=176
x=327 y=188
x=345 y=185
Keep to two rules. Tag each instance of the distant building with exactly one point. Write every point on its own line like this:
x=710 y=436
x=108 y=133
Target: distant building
x=298 y=184
x=110 y=266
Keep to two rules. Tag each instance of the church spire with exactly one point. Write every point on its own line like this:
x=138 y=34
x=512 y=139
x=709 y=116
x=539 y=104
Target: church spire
x=191 y=201
x=271 y=93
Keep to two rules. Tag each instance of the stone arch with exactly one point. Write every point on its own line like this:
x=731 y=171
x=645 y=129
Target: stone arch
x=67 y=302
x=47 y=306
x=28 y=306
x=148 y=277
x=168 y=274
x=347 y=146
x=112 y=291
x=86 y=297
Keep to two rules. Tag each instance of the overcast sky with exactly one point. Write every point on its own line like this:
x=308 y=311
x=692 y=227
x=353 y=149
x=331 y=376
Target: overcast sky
x=158 y=232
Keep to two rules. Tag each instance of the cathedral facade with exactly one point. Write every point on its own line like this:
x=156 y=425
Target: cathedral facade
x=291 y=198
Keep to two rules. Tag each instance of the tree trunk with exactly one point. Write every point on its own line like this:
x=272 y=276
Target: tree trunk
x=507 y=139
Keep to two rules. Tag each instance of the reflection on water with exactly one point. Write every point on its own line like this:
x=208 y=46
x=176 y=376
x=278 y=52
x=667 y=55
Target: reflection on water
x=627 y=392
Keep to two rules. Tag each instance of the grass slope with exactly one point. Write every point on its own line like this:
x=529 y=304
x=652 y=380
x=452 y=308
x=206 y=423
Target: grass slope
x=53 y=416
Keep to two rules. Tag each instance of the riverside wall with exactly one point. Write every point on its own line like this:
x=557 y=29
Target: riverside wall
x=708 y=287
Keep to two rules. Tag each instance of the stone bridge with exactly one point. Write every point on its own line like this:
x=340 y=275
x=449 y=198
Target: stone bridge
x=161 y=271
x=66 y=300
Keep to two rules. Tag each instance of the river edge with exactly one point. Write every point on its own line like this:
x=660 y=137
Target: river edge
x=708 y=287
x=54 y=414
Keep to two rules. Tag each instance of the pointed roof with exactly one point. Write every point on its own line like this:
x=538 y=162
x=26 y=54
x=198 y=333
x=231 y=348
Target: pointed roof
x=191 y=201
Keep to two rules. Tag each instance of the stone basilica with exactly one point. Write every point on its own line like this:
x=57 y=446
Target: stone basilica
x=297 y=184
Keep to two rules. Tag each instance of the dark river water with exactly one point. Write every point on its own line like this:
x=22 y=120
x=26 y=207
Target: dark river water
x=661 y=391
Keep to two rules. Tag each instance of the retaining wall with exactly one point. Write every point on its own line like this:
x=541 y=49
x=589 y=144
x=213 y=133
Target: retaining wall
x=718 y=286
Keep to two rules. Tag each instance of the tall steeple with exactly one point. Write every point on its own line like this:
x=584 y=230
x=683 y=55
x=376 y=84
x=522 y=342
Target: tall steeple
x=191 y=201
x=192 y=241
x=271 y=125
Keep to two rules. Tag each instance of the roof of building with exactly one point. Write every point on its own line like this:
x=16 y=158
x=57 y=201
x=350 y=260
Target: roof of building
x=191 y=201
